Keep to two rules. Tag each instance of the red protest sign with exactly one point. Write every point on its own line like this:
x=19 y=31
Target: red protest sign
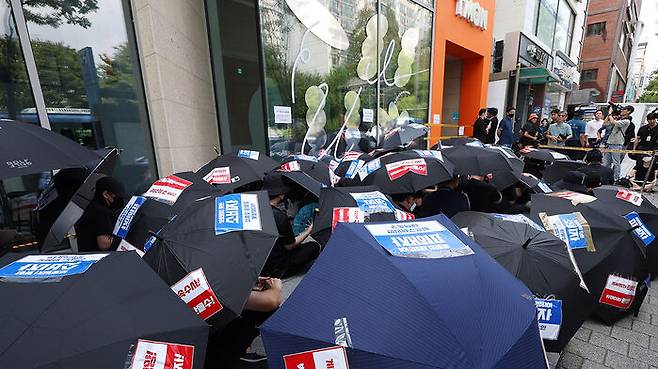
x=347 y=215
x=328 y=358
x=400 y=168
x=619 y=292
x=195 y=290
x=162 y=355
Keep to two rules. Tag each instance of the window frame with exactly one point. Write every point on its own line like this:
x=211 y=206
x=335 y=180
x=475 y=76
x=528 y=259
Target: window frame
x=555 y=13
x=588 y=72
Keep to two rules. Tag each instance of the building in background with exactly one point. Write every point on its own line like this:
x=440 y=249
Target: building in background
x=536 y=54
x=610 y=37
x=640 y=73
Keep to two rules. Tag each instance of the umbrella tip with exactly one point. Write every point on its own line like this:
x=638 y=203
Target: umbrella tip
x=527 y=242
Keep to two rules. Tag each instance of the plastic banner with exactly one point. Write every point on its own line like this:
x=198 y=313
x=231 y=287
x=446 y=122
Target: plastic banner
x=328 y=358
x=400 y=168
x=347 y=215
x=549 y=318
x=633 y=197
x=127 y=246
x=353 y=169
x=641 y=230
x=373 y=202
x=237 y=212
x=249 y=154
x=351 y=155
x=519 y=218
x=368 y=168
x=196 y=292
x=420 y=239
x=127 y=215
x=571 y=228
x=403 y=215
x=168 y=189
x=291 y=166
x=162 y=355
x=575 y=197
x=619 y=292
x=305 y=157
x=48 y=266
x=342 y=333
x=430 y=154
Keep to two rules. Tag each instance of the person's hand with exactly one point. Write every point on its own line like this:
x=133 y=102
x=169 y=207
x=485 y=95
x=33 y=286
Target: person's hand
x=273 y=284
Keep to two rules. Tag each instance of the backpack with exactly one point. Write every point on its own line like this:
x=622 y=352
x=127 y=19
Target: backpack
x=629 y=134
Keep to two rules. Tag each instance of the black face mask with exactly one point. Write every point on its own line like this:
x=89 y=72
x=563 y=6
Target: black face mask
x=510 y=115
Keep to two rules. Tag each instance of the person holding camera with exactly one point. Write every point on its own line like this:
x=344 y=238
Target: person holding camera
x=559 y=132
x=617 y=122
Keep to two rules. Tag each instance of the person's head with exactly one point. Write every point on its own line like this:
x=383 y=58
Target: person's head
x=593 y=180
x=578 y=114
x=492 y=112
x=533 y=118
x=482 y=113
x=544 y=122
x=651 y=118
x=598 y=114
x=276 y=187
x=452 y=183
x=511 y=112
x=562 y=116
x=594 y=156
x=110 y=192
x=646 y=161
x=626 y=111
x=408 y=201
x=555 y=114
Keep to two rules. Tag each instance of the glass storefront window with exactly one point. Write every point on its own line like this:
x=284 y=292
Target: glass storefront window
x=555 y=22
x=545 y=23
x=88 y=69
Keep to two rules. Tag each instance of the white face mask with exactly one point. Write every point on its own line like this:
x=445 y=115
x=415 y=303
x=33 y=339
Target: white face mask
x=412 y=207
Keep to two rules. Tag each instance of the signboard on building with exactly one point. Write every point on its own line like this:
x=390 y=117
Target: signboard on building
x=473 y=13
x=566 y=70
x=531 y=54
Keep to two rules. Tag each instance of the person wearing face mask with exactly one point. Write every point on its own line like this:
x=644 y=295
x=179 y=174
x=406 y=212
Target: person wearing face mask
x=506 y=129
x=408 y=201
x=290 y=253
x=94 y=229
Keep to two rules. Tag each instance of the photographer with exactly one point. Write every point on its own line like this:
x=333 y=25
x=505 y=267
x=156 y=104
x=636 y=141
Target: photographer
x=647 y=135
x=617 y=122
x=559 y=132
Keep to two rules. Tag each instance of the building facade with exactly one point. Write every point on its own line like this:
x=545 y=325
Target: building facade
x=610 y=37
x=536 y=54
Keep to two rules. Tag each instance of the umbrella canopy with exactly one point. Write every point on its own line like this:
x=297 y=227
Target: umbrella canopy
x=405 y=172
x=405 y=312
x=309 y=165
x=229 y=172
x=225 y=240
x=458 y=141
x=91 y=317
x=402 y=136
x=349 y=163
x=559 y=169
x=28 y=149
x=614 y=254
x=540 y=260
x=504 y=179
x=305 y=181
x=167 y=197
x=542 y=154
x=73 y=210
x=472 y=160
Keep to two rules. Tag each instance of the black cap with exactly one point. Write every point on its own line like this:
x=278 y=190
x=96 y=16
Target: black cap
x=572 y=181
x=630 y=108
x=110 y=185
x=275 y=184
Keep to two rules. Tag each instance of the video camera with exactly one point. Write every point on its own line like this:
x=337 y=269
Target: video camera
x=616 y=109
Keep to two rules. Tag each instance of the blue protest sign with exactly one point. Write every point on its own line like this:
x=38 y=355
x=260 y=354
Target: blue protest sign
x=237 y=212
x=305 y=157
x=49 y=266
x=422 y=239
x=127 y=215
x=354 y=168
x=641 y=230
x=368 y=168
x=571 y=228
x=373 y=202
x=249 y=154
x=549 y=317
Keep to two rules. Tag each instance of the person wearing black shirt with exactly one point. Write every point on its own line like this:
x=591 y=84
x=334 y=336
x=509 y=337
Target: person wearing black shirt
x=480 y=126
x=647 y=137
x=289 y=255
x=446 y=199
x=595 y=170
x=482 y=196
x=530 y=131
x=94 y=229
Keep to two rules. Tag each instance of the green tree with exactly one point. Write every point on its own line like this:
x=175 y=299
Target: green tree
x=650 y=94
x=117 y=77
x=54 y=13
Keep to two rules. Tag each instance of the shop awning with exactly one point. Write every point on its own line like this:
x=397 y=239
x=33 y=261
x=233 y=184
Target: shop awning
x=537 y=75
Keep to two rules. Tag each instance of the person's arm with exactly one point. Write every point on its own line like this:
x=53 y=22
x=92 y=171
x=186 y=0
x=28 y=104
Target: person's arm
x=266 y=300
x=104 y=242
x=635 y=143
x=569 y=133
x=549 y=135
x=300 y=238
x=527 y=135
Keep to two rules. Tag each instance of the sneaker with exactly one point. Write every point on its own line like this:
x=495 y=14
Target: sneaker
x=252 y=357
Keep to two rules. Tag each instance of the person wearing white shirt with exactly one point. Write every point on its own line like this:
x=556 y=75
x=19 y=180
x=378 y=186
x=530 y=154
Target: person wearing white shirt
x=592 y=128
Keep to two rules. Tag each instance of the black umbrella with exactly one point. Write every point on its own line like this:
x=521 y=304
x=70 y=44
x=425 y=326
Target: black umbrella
x=91 y=319
x=230 y=172
x=54 y=238
x=349 y=163
x=305 y=181
x=541 y=261
x=340 y=204
x=309 y=165
x=147 y=214
x=472 y=160
x=542 y=154
x=617 y=254
x=505 y=179
x=28 y=149
x=405 y=172
x=225 y=239
x=457 y=141
x=559 y=169
x=402 y=136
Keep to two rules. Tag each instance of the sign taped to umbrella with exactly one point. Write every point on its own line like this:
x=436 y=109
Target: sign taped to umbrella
x=168 y=189
x=49 y=266
x=347 y=215
x=196 y=292
x=373 y=202
x=220 y=175
x=327 y=358
x=619 y=292
x=162 y=355
x=571 y=228
x=632 y=197
x=575 y=197
x=237 y=212
x=353 y=169
x=249 y=154
x=291 y=166
x=127 y=215
x=430 y=154
x=305 y=157
x=368 y=168
x=519 y=218
x=641 y=230
x=420 y=239
x=549 y=318
x=399 y=168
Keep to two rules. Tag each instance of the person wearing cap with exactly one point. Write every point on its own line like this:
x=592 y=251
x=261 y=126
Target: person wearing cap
x=289 y=254
x=559 y=132
x=616 y=138
x=594 y=168
x=530 y=131
x=94 y=229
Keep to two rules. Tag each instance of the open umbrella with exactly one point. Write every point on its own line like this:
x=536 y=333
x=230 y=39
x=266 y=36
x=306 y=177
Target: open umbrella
x=402 y=136
x=541 y=261
x=472 y=160
x=505 y=179
x=309 y=165
x=95 y=316
x=559 y=169
x=223 y=240
x=28 y=149
x=458 y=141
x=53 y=239
x=607 y=258
x=542 y=154
x=230 y=172
x=349 y=163
x=405 y=172
x=405 y=312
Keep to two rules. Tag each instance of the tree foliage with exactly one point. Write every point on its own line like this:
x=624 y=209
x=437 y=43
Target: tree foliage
x=54 y=13
x=650 y=94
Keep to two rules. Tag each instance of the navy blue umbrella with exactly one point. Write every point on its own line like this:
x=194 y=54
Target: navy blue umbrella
x=402 y=312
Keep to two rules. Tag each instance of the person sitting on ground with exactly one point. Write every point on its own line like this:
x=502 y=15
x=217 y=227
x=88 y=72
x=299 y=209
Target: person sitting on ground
x=290 y=255
x=95 y=227
x=642 y=172
x=446 y=199
x=482 y=195
x=594 y=160
x=408 y=201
